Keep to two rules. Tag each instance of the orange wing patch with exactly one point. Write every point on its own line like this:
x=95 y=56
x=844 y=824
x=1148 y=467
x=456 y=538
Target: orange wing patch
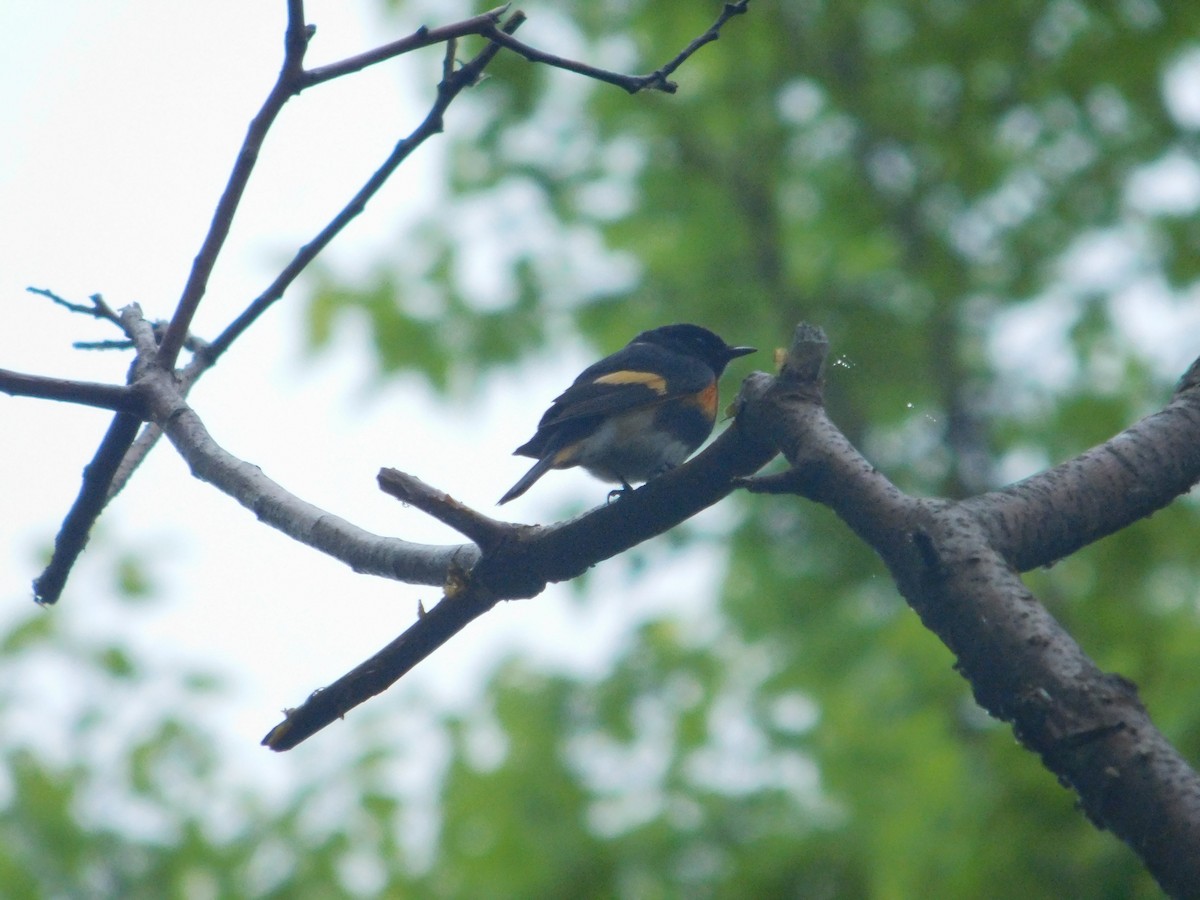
x=567 y=456
x=706 y=400
x=656 y=383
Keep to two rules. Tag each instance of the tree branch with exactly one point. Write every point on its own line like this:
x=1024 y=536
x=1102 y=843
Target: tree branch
x=246 y=483
x=72 y=537
x=656 y=80
x=1089 y=728
x=518 y=561
x=98 y=482
x=1052 y=514
x=114 y=460
x=94 y=494
x=448 y=90
x=286 y=85
x=486 y=532
x=98 y=310
x=381 y=671
x=422 y=37
x=206 y=355
x=115 y=397
x=515 y=560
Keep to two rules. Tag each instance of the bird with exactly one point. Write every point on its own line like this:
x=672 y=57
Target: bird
x=636 y=413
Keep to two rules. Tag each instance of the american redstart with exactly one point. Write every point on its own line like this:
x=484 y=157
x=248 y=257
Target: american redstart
x=634 y=414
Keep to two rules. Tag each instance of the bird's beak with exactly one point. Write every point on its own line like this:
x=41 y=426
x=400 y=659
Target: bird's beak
x=735 y=352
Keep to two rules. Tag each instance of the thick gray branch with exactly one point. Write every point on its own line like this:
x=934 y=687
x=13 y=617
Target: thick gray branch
x=275 y=506
x=949 y=560
x=1052 y=514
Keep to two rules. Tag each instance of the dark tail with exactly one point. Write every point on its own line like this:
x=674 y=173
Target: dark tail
x=540 y=468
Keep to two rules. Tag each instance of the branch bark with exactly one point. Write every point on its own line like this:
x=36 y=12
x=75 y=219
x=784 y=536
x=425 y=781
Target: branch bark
x=948 y=559
x=518 y=561
x=115 y=397
x=957 y=563
x=1054 y=513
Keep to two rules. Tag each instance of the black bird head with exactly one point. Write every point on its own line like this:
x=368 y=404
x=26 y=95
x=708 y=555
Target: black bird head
x=694 y=341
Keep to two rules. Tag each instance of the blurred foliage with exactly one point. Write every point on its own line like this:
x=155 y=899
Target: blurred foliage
x=971 y=200
x=937 y=184
x=115 y=781
x=934 y=184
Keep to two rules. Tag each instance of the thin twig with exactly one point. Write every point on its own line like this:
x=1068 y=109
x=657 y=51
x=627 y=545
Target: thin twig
x=286 y=85
x=102 y=345
x=728 y=11
x=206 y=355
x=656 y=80
x=483 y=530
x=122 y=433
x=381 y=671
x=98 y=310
x=73 y=536
x=631 y=83
x=451 y=87
x=98 y=475
x=115 y=397
x=134 y=456
x=422 y=37
x=293 y=79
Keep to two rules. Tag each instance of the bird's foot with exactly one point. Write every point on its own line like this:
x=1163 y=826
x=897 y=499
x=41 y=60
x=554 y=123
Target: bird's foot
x=617 y=493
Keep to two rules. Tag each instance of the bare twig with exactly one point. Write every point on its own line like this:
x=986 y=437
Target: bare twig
x=286 y=85
x=111 y=467
x=450 y=87
x=93 y=495
x=99 y=309
x=728 y=11
x=656 y=80
x=382 y=670
x=72 y=537
x=115 y=397
x=102 y=345
x=422 y=37
x=485 y=531
x=293 y=79
x=147 y=438
x=205 y=355
x=519 y=560
x=98 y=475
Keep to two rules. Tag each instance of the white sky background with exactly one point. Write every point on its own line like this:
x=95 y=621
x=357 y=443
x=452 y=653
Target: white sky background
x=120 y=122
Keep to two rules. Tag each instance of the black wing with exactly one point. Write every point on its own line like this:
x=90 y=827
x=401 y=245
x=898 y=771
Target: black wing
x=628 y=380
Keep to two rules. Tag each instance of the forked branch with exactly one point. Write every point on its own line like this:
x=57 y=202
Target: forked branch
x=118 y=456
x=956 y=564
